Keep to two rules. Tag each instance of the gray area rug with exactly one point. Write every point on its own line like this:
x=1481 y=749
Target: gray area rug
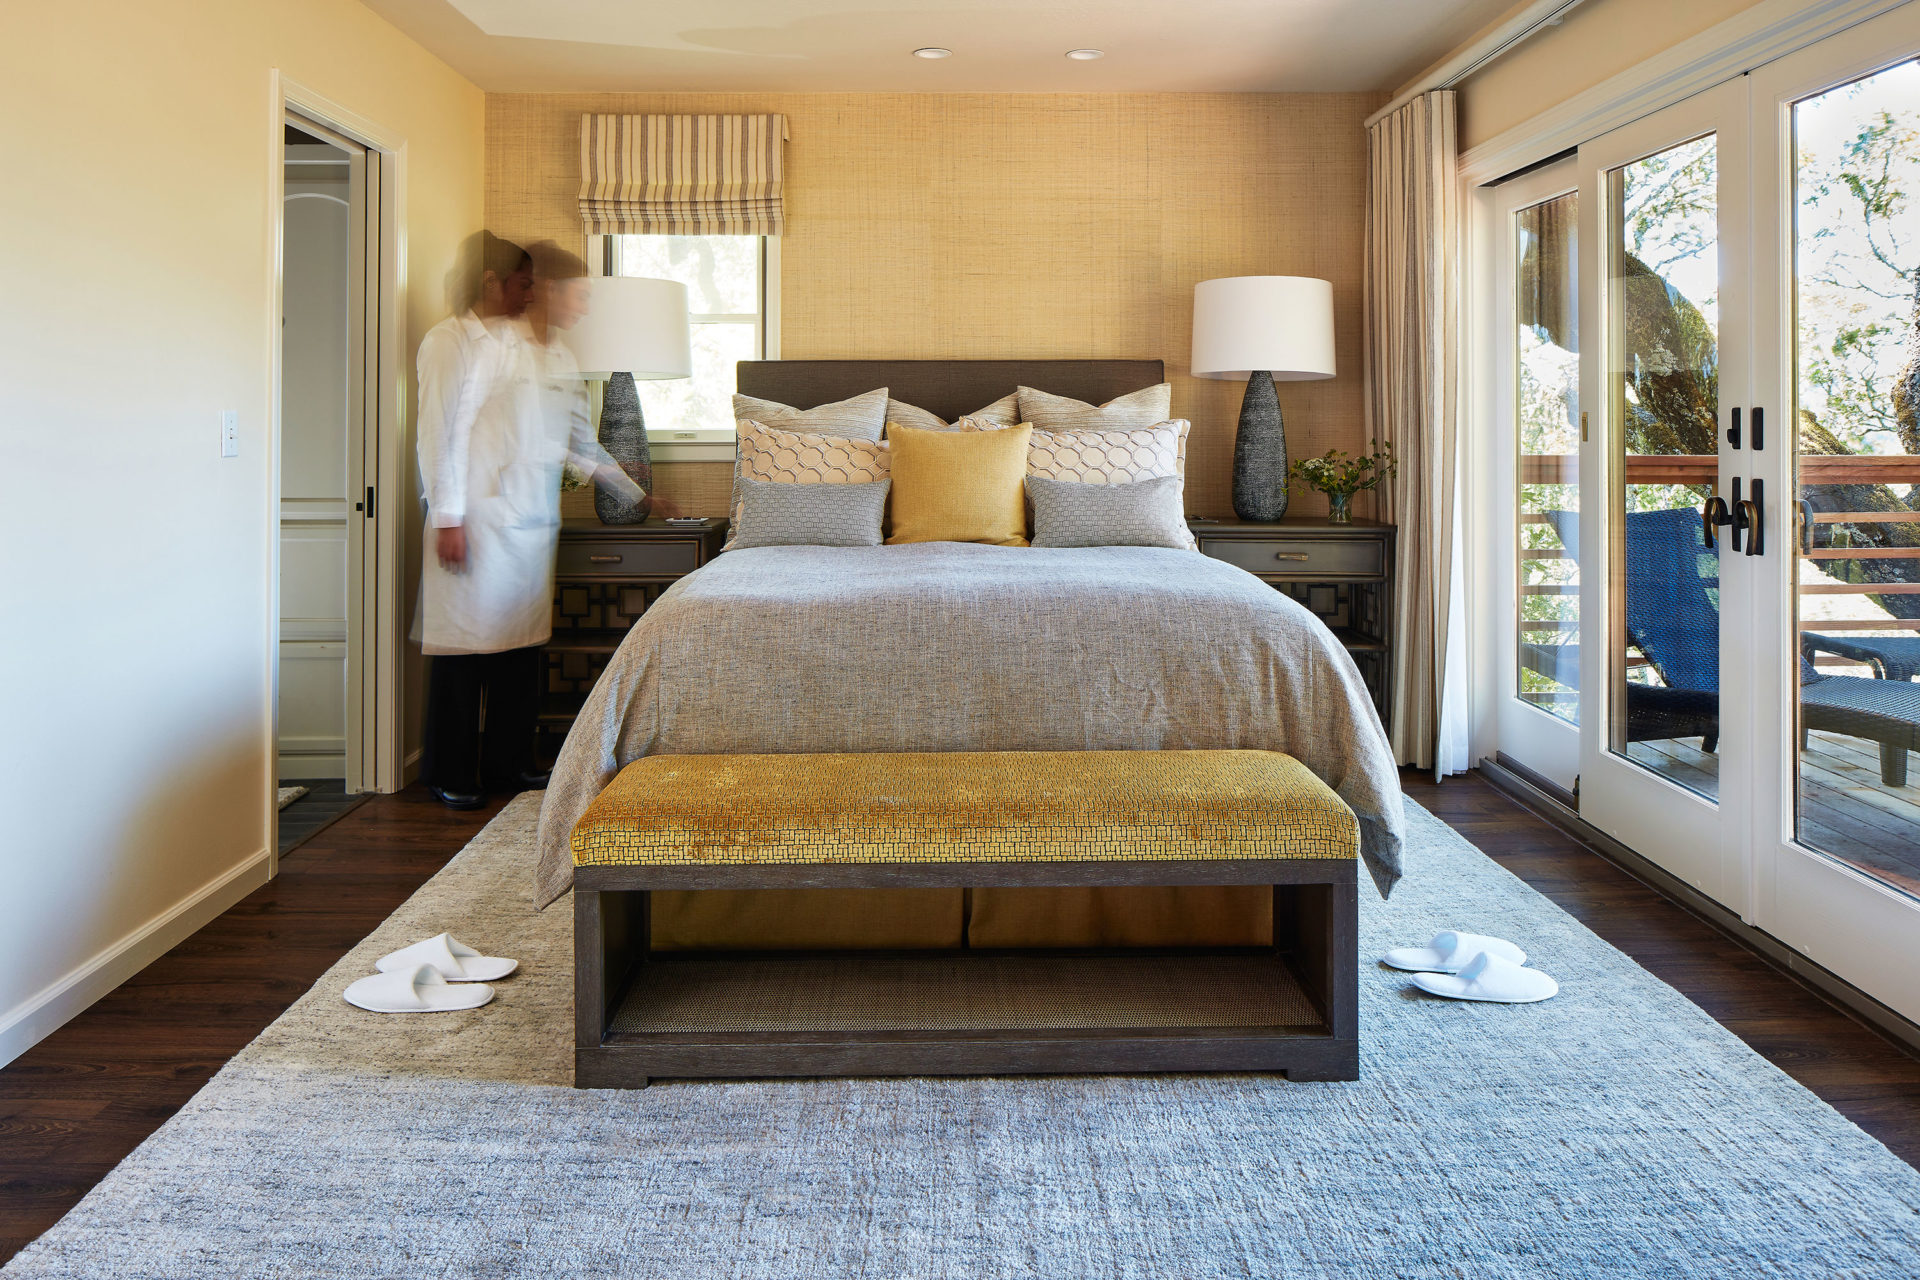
x=1614 y=1131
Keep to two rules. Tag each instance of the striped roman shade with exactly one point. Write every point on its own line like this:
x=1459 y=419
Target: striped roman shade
x=682 y=175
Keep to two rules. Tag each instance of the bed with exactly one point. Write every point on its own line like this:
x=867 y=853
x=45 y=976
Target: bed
x=963 y=647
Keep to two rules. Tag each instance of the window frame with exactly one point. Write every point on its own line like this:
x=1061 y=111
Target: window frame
x=709 y=444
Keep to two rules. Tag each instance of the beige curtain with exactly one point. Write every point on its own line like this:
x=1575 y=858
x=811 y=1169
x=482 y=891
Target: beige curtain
x=1412 y=334
x=682 y=175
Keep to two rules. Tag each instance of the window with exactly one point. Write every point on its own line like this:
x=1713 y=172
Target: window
x=730 y=281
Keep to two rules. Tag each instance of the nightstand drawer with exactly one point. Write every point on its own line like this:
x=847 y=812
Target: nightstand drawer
x=648 y=557
x=1284 y=557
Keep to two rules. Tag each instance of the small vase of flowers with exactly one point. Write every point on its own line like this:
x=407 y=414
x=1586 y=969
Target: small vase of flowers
x=1340 y=476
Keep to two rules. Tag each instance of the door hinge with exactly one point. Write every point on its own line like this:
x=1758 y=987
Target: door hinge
x=1583 y=426
x=369 y=502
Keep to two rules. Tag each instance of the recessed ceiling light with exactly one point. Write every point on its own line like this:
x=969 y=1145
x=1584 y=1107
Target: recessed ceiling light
x=1086 y=55
x=933 y=52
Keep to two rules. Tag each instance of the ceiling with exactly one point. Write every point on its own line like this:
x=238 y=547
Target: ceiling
x=811 y=46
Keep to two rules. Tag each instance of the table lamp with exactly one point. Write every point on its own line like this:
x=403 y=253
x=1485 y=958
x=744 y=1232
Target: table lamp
x=634 y=328
x=1262 y=328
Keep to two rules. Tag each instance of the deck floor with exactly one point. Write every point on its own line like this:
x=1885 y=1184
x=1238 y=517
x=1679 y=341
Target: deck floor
x=1845 y=809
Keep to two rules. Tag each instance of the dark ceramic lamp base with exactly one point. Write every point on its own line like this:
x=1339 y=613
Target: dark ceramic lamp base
x=1260 y=453
x=623 y=434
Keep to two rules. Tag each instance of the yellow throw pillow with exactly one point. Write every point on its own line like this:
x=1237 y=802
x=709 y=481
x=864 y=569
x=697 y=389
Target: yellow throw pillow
x=960 y=486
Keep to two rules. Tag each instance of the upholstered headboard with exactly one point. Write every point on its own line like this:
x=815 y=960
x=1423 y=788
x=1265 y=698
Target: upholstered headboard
x=950 y=388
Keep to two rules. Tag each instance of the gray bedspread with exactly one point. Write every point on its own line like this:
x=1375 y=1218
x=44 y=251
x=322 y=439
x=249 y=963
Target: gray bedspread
x=945 y=646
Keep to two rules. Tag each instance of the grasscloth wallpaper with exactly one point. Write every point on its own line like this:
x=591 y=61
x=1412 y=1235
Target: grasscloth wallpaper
x=1019 y=225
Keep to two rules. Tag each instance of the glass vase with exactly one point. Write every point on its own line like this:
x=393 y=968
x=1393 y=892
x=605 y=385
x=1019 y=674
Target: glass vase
x=1339 y=508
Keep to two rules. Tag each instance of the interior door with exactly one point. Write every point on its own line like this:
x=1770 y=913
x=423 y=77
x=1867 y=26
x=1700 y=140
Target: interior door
x=1836 y=130
x=1535 y=433
x=1666 y=732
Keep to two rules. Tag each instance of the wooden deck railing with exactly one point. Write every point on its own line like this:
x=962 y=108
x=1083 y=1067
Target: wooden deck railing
x=1704 y=469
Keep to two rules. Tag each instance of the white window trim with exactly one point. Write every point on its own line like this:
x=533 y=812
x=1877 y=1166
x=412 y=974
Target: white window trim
x=713 y=444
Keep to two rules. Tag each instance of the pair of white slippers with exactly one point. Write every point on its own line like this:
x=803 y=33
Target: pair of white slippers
x=1472 y=966
x=435 y=976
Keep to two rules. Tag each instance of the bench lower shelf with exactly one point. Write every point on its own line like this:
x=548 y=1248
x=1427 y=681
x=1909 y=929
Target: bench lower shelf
x=963 y=1013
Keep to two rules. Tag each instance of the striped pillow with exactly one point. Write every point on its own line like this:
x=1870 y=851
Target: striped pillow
x=1004 y=412
x=862 y=417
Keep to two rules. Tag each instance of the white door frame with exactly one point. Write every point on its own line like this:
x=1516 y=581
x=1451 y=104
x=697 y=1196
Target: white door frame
x=1542 y=742
x=1840 y=917
x=1700 y=840
x=383 y=642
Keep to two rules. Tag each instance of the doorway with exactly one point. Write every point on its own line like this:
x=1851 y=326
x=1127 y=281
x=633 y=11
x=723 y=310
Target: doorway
x=330 y=296
x=1705 y=480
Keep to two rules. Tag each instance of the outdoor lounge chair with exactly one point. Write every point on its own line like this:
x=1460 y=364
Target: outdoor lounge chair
x=1675 y=623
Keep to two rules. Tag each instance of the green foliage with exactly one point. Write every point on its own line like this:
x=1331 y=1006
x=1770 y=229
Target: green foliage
x=1336 y=472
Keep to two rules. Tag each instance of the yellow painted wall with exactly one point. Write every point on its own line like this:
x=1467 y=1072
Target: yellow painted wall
x=1011 y=225
x=1596 y=41
x=137 y=702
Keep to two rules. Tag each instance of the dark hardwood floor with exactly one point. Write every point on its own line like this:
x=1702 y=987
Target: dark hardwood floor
x=75 y=1105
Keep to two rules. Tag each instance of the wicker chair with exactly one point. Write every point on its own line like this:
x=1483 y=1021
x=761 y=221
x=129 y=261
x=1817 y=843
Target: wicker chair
x=1674 y=622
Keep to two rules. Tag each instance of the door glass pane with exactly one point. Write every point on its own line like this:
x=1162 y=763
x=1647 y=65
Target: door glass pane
x=1547 y=391
x=1857 y=383
x=1662 y=382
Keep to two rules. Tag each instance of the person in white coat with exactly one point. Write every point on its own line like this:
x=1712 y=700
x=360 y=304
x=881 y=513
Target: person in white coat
x=474 y=617
x=501 y=413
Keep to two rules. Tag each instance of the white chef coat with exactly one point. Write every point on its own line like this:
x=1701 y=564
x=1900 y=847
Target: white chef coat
x=490 y=460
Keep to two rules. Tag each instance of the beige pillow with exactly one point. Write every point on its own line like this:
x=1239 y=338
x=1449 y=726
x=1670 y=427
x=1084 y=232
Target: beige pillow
x=1118 y=456
x=1004 y=412
x=1142 y=408
x=762 y=452
x=863 y=417
x=960 y=486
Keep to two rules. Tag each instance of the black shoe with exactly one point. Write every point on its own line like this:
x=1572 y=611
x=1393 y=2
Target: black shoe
x=528 y=781
x=457 y=799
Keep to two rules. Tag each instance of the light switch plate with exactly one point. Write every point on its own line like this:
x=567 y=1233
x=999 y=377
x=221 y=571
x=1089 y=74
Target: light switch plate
x=229 y=434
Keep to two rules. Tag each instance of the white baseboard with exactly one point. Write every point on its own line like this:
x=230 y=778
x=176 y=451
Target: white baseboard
x=43 y=1013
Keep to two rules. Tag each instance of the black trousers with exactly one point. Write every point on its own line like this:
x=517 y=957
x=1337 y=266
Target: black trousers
x=457 y=755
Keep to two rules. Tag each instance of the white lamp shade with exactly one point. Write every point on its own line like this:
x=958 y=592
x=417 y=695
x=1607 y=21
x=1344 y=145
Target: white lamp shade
x=634 y=325
x=1283 y=324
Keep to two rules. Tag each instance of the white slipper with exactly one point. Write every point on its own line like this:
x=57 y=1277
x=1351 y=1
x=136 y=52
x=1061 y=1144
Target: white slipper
x=456 y=961
x=1449 y=952
x=420 y=989
x=1488 y=977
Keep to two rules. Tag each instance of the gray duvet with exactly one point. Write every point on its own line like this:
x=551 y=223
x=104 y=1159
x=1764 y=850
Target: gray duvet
x=946 y=646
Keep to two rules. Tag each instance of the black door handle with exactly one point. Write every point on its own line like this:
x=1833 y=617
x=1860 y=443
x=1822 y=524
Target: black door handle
x=1712 y=514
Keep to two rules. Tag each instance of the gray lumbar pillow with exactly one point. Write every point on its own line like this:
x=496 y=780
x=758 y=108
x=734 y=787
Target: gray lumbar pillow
x=1146 y=513
x=773 y=514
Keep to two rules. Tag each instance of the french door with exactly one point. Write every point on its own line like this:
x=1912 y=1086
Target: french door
x=1709 y=329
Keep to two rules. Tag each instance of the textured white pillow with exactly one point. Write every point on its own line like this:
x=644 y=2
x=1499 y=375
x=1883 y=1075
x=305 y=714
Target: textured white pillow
x=799 y=457
x=862 y=417
x=1112 y=456
x=1004 y=412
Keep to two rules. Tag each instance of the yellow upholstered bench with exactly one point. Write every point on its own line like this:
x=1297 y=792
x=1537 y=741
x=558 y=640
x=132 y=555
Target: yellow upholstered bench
x=970 y=806
x=966 y=819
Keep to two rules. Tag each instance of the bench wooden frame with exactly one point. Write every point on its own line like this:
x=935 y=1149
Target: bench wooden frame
x=1315 y=936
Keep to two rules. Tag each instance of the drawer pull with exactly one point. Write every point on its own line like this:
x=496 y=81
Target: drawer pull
x=605 y=559
x=1289 y=555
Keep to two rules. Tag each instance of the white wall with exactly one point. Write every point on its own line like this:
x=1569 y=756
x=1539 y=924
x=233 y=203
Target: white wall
x=135 y=708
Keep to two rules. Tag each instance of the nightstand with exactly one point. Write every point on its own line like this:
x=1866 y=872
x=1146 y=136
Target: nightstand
x=1343 y=572
x=604 y=579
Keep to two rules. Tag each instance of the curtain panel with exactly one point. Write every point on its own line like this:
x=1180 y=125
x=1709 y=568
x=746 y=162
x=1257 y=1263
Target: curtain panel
x=1412 y=334
x=682 y=175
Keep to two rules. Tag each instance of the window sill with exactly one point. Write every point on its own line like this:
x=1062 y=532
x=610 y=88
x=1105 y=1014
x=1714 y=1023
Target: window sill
x=690 y=446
